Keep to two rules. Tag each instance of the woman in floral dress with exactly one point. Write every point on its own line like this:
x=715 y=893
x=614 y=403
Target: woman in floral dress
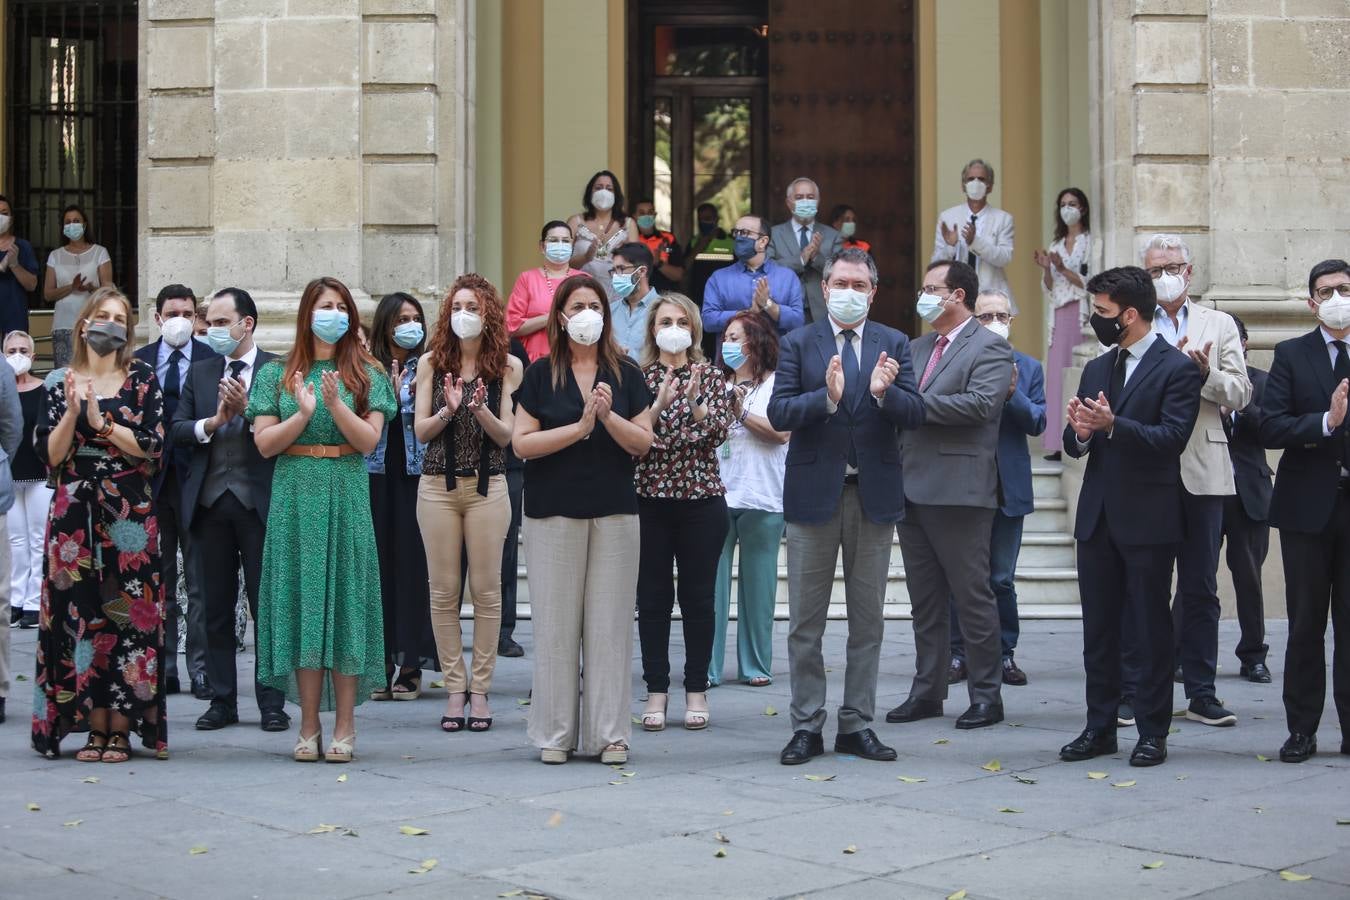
x=101 y=637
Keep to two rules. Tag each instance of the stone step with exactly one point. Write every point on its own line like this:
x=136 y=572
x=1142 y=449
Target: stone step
x=1045 y=481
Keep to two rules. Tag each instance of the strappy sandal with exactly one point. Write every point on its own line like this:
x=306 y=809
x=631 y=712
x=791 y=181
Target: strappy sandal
x=307 y=748
x=124 y=749
x=340 y=751
x=655 y=719
x=480 y=723
x=696 y=719
x=616 y=754
x=760 y=681
x=91 y=747
x=452 y=724
x=408 y=685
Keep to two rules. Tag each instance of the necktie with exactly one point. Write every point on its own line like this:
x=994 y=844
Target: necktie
x=941 y=345
x=237 y=367
x=1118 y=376
x=805 y=234
x=172 y=384
x=850 y=362
x=970 y=255
x=1341 y=371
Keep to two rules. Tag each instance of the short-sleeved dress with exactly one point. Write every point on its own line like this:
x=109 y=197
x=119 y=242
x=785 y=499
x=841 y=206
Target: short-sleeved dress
x=101 y=628
x=319 y=599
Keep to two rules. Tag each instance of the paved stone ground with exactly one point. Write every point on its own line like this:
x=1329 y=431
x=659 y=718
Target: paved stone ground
x=231 y=816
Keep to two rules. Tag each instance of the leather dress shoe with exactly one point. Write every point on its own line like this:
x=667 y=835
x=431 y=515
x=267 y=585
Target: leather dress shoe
x=274 y=720
x=865 y=744
x=507 y=646
x=1257 y=673
x=1150 y=751
x=914 y=709
x=1299 y=748
x=1089 y=745
x=1013 y=675
x=803 y=746
x=201 y=688
x=217 y=716
x=171 y=684
x=981 y=715
x=957 y=672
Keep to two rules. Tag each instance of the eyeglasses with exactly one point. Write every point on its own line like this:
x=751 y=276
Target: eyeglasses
x=1324 y=293
x=986 y=318
x=1172 y=269
x=935 y=289
x=623 y=270
x=746 y=233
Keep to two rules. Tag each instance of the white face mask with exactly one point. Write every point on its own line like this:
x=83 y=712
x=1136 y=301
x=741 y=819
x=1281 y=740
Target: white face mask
x=999 y=328
x=975 y=189
x=466 y=325
x=176 y=331
x=673 y=339
x=849 y=307
x=20 y=363
x=1169 y=287
x=1335 y=312
x=586 y=327
x=4 y=222
x=1070 y=214
x=602 y=199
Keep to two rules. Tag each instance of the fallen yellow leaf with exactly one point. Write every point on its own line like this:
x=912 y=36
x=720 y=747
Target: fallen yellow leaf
x=627 y=774
x=554 y=820
x=1260 y=758
x=426 y=866
x=618 y=782
x=523 y=701
x=33 y=807
x=1096 y=776
x=993 y=766
x=908 y=780
x=721 y=838
x=959 y=895
x=1008 y=809
x=1293 y=876
x=73 y=823
x=851 y=849
x=728 y=812
x=412 y=830
x=820 y=778
x=1158 y=864
x=515 y=893
x=438 y=684
x=1123 y=784
x=942 y=741
x=323 y=829
x=770 y=711
x=721 y=853
x=90 y=779
x=197 y=850
x=637 y=720
x=342 y=779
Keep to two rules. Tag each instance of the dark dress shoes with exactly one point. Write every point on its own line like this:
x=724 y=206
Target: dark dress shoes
x=1257 y=673
x=1299 y=748
x=957 y=671
x=217 y=716
x=914 y=709
x=507 y=646
x=1013 y=675
x=171 y=684
x=201 y=689
x=981 y=715
x=274 y=720
x=865 y=744
x=803 y=746
x=1089 y=745
x=1150 y=751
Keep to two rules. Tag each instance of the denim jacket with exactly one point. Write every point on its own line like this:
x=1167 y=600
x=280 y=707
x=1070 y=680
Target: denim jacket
x=414 y=449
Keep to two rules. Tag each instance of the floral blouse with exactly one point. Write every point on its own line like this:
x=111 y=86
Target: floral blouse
x=682 y=463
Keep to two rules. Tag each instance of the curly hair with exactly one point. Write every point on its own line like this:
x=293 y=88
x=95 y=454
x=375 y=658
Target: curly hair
x=494 y=342
x=760 y=345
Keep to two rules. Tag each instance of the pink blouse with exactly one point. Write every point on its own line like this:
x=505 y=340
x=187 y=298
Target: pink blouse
x=533 y=296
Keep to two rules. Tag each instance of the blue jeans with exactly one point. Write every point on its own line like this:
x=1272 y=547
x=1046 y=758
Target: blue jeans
x=1005 y=544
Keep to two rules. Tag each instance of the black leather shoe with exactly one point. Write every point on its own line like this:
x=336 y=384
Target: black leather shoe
x=981 y=715
x=803 y=746
x=1088 y=745
x=2 y=710
x=865 y=744
x=1299 y=748
x=956 y=672
x=217 y=716
x=507 y=646
x=1256 y=672
x=1013 y=675
x=1178 y=676
x=912 y=710
x=274 y=720
x=201 y=688
x=171 y=684
x=1150 y=751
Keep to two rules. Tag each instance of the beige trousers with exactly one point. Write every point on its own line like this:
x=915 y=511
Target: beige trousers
x=583 y=583
x=449 y=519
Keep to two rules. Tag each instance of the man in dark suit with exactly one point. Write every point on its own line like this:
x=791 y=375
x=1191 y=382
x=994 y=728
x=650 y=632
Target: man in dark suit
x=951 y=496
x=844 y=388
x=1132 y=417
x=225 y=496
x=171 y=356
x=1023 y=417
x=1303 y=414
x=1246 y=525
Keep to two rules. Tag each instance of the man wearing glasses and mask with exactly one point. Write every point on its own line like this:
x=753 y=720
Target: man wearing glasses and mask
x=752 y=282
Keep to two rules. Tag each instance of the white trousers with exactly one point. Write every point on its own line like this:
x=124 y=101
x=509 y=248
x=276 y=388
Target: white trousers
x=27 y=520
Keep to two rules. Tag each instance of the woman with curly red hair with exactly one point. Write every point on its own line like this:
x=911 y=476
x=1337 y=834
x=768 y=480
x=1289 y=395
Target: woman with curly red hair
x=463 y=414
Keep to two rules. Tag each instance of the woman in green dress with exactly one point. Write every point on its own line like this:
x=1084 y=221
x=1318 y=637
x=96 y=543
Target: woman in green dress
x=320 y=627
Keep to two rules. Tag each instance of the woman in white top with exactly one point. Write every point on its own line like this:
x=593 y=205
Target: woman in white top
x=604 y=227
x=752 y=462
x=73 y=273
x=1066 y=274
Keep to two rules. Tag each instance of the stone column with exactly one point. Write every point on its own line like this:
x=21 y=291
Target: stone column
x=288 y=139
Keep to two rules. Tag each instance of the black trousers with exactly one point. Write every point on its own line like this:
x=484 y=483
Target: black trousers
x=686 y=535
x=515 y=487
x=173 y=538
x=1317 y=578
x=1126 y=588
x=1195 y=608
x=1248 y=544
x=226 y=534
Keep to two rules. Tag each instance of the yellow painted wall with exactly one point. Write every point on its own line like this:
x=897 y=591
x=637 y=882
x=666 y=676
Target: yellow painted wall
x=1021 y=193
x=487 y=222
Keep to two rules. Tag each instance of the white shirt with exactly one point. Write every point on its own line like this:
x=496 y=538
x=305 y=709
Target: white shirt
x=67 y=265
x=245 y=375
x=992 y=245
x=751 y=467
x=830 y=406
x=1134 y=353
x=1331 y=354
x=184 y=362
x=1162 y=323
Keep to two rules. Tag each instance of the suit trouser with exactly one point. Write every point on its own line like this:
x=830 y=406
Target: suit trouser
x=1124 y=589
x=225 y=534
x=172 y=538
x=760 y=534
x=1317 y=578
x=27 y=521
x=811 y=554
x=946 y=553
x=1005 y=544
x=4 y=595
x=583 y=574
x=515 y=489
x=1248 y=543
x=1195 y=608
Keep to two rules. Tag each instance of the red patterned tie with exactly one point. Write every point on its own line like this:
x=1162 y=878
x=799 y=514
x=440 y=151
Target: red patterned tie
x=942 y=343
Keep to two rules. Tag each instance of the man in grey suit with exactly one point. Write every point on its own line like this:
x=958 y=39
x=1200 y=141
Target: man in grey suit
x=951 y=495
x=805 y=246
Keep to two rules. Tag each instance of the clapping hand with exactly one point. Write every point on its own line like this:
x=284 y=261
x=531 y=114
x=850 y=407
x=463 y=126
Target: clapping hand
x=453 y=388
x=230 y=400
x=1336 y=414
x=968 y=233
x=834 y=379
x=883 y=376
x=396 y=373
x=812 y=246
x=478 y=397
x=588 y=414
x=329 y=387
x=950 y=234
x=1097 y=414
x=665 y=394
x=1199 y=357
x=602 y=396
x=1055 y=259
x=691 y=391
x=92 y=414
x=72 y=396
x=1012 y=388
x=79 y=284
x=760 y=298
x=1074 y=415
x=304 y=395
x=1042 y=259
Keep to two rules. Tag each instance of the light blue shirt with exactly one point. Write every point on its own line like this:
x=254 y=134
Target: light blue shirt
x=1162 y=324
x=731 y=288
x=1137 y=350
x=162 y=361
x=630 y=322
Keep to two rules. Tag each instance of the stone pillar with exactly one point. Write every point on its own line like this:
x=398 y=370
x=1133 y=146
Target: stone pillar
x=287 y=139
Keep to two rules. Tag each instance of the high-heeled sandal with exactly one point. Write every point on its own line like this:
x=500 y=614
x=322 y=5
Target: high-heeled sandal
x=119 y=742
x=340 y=751
x=452 y=724
x=408 y=685
x=91 y=747
x=616 y=754
x=654 y=719
x=696 y=719
x=480 y=723
x=307 y=748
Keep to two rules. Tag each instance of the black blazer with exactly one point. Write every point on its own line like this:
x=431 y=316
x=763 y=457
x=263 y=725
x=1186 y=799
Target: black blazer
x=1298 y=392
x=150 y=354
x=199 y=399
x=1134 y=477
x=1250 y=469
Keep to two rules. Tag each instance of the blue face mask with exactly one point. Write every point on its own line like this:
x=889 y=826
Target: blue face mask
x=745 y=249
x=624 y=284
x=849 y=307
x=646 y=223
x=73 y=230
x=732 y=354
x=804 y=210
x=409 y=335
x=219 y=339
x=558 y=253
x=929 y=307
x=328 y=325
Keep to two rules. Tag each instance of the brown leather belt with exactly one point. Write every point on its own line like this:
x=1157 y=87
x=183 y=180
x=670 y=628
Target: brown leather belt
x=320 y=451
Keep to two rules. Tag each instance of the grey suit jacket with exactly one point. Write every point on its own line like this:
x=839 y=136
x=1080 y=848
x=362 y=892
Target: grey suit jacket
x=785 y=249
x=951 y=460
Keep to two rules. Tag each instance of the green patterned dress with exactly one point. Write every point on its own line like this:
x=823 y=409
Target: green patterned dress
x=319 y=600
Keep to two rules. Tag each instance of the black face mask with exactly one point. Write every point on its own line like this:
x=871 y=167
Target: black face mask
x=1108 y=331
